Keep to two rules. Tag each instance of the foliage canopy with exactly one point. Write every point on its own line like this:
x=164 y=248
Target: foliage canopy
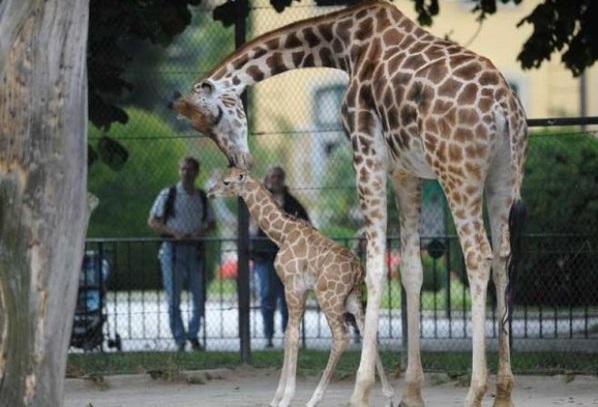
x=561 y=193
x=112 y=24
x=559 y=26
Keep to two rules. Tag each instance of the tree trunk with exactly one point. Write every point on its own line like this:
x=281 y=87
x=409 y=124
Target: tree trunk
x=43 y=179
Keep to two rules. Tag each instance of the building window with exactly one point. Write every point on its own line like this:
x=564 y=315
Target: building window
x=327 y=101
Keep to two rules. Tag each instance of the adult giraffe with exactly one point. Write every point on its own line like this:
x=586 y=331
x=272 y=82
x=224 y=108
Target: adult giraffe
x=416 y=107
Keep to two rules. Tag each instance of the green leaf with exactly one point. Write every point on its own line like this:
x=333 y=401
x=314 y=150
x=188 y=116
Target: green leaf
x=112 y=153
x=92 y=155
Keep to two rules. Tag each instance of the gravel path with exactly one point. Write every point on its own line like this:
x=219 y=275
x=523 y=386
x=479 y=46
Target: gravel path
x=249 y=387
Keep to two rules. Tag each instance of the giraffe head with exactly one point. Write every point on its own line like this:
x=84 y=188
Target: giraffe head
x=233 y=184
x=218 y=113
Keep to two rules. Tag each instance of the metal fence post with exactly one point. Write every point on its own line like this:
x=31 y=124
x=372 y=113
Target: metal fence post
x=243 y=222
x=404 y=329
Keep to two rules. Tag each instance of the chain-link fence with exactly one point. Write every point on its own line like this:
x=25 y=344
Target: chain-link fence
x=294 y=123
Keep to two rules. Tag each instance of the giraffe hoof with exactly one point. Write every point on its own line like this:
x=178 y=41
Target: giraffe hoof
x=503 y=403
x=404 y=403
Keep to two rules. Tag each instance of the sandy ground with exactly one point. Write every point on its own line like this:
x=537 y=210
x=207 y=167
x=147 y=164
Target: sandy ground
x=248 y=387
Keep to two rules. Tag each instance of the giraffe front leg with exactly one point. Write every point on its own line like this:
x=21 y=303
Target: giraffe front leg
x=284 y=374
x=374 y=281
x=370 y=165
x=408 y=201
x=286 y=385
x=412 y=278
x=286 y=390
x=354 y=307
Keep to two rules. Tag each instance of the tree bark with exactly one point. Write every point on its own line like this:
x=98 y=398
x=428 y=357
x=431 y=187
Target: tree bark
x=43 y=202
x=12 y=16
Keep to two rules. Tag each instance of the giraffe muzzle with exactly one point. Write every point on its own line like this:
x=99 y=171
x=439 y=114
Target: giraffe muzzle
x=175 y=96
x=211 y=194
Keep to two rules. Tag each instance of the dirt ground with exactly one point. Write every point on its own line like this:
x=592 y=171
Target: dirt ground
x=248 y=387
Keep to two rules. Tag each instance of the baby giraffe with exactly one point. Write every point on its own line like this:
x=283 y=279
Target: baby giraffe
x=306 y=260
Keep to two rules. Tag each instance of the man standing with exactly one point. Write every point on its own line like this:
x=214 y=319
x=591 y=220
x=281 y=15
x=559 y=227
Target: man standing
x=263 y=253
x=183 y=216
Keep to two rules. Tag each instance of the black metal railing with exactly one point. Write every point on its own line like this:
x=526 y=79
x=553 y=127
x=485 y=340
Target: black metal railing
x=556 y=306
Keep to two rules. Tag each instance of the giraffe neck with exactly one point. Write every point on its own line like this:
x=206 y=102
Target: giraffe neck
x=336 y=40
x=263 y=208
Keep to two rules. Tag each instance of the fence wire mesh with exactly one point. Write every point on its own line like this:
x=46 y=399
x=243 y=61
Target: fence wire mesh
x=294 y=123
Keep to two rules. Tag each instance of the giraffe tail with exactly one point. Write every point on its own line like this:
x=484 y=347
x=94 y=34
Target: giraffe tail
x=514 y=125
x=517 y=215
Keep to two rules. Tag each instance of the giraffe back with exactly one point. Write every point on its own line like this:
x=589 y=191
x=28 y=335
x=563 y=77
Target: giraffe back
x=315 y=262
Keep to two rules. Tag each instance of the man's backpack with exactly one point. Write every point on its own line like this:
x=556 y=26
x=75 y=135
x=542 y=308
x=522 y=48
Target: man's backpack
x=169 y=205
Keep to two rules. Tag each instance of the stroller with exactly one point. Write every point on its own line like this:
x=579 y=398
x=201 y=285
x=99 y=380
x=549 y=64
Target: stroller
x=88 y=324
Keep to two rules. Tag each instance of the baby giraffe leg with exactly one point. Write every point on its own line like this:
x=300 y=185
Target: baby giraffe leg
x=340 y=339
x=286 y=385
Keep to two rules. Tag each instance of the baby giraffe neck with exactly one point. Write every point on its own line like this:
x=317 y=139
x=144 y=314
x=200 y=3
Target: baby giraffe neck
x=266 y=211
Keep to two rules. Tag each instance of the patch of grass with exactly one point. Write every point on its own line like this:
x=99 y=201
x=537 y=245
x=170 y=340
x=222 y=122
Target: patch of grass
x=459 y=297
x=311 y=363
x=79 y=365
x=226 y=289
x=222 y=288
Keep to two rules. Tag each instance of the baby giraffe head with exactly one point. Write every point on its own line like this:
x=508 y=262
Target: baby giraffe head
x=233 y=184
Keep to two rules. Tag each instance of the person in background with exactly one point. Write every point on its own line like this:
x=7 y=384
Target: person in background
x=183 y=216
x=263 y=252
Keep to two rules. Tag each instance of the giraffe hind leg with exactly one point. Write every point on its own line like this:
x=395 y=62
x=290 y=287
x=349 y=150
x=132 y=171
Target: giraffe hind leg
x=502 y=208
x=340 y=339
x=507 y=214
x=478 y=258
